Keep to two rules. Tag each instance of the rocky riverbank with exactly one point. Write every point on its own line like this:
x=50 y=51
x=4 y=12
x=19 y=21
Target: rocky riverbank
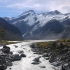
x=32 y=61
x=58 y=53
x=7 y=57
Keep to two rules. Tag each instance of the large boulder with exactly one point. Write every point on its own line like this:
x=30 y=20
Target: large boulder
x=5 y=49
x=2 y=67
x=16 y=57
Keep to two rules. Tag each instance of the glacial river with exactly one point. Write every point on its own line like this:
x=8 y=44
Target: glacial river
x=26 y=62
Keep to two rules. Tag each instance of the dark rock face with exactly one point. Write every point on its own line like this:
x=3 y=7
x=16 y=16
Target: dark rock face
x=54 y=26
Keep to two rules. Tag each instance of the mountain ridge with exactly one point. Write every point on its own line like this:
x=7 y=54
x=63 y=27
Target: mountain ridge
x=31 y=23
x=8 y=31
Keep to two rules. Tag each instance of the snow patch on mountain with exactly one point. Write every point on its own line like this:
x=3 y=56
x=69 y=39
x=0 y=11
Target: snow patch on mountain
x=43 y=18
x=30 y=21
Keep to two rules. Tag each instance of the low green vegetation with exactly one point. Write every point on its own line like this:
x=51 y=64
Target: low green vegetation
x=64 y=41
x=5 y=42
x=44 y=44
x=55 y=46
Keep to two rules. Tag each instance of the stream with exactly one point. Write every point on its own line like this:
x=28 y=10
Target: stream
x=26 y=62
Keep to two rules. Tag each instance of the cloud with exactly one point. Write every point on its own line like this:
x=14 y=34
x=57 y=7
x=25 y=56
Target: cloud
x=38 y=5
x=64 y=8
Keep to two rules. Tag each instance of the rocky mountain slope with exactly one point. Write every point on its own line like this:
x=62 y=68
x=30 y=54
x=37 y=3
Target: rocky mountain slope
x=48 y=25
x=8 y=31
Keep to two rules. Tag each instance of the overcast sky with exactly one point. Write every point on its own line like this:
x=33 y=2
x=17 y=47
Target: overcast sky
x=13 y=8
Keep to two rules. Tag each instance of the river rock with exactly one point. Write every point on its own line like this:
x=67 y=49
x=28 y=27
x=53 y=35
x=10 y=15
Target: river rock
x=23 y=55
x=15 y=46
x=16 y=57
x=2 y=67
x=68 y=66
x=32 y=46
x=45 y=55
x=20 y=51
x=47 y=58
x=5 y=49
x=60 y=45
x=42 y=66
x=35 y=63
x=52 y=58
x=62 y=68
x=45 y=50
x=56 y=63
x=36 y=60
x=8 y=63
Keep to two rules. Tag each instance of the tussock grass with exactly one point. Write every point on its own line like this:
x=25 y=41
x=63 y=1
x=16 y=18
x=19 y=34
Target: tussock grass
x=5 y=42
x=54 y=44
x=44 y=44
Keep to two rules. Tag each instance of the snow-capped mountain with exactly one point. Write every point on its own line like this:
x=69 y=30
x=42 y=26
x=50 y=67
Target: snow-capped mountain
x=36 y=26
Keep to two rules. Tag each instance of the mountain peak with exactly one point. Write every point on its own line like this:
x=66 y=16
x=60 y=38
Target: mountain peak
x=28 y=12
x=56 y=12
x=31 y=10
